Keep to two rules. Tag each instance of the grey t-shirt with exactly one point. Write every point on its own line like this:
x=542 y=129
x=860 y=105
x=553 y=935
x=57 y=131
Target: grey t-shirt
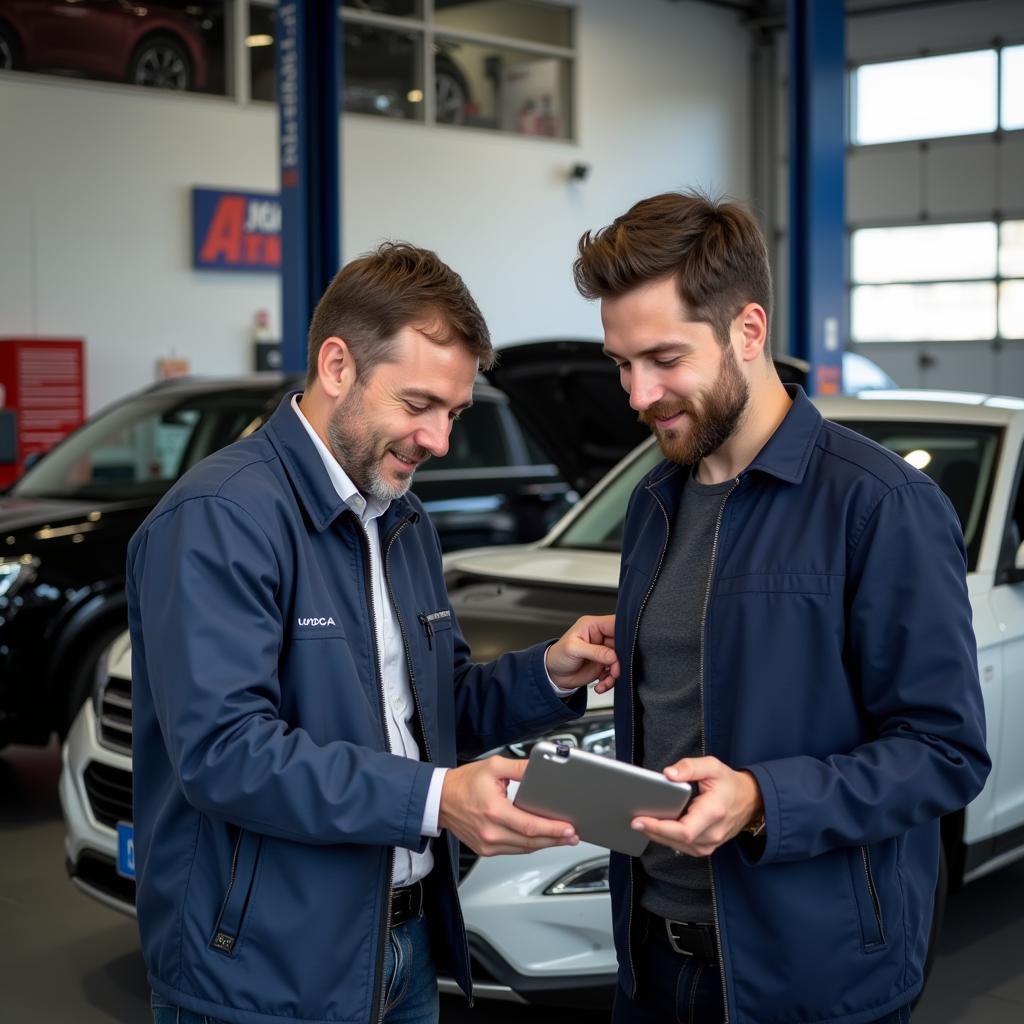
x=668 y=686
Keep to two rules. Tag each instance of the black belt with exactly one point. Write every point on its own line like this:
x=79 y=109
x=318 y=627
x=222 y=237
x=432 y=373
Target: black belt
x=690 y=938
x=406 y=903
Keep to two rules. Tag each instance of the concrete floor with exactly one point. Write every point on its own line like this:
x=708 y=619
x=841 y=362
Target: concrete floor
x=65 y=959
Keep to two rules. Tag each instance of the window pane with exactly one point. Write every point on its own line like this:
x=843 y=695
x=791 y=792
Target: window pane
x=174 y=45
x=536 y=22
x=924 y=312
x=494 y=87
x=401 y=8
x=382 y=67
x=936 y=252
x=383 y=73
x=1011 y=309
x=1011 y=248
x=1013 y=87
x=925 y=98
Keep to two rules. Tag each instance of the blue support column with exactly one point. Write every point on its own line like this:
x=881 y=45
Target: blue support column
x=308 y=43
x=817 y=154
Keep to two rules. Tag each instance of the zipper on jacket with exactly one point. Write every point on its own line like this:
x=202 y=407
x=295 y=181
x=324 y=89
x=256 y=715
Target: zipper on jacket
x=220 y=940
x=428 y=631
x=876 y=903
x=632 y=722
x=428 y=628
x=703 y=733
x=385 y=929
x=378 y=1011
x=426 y=621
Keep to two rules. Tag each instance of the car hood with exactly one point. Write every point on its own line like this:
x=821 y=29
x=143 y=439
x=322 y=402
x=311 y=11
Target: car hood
x=533 y=563
x=22 y=514
x=567 y=393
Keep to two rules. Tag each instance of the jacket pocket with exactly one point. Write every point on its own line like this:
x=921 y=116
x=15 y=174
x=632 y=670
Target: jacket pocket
x=865 y=892
x=235 y=905
x=433 y=623
x=779 y=583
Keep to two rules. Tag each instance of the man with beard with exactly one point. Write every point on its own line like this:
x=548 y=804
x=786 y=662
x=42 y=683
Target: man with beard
x=301 y=689
x=794 y=612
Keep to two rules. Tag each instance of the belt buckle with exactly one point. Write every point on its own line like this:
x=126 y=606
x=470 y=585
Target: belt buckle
x=673 y=939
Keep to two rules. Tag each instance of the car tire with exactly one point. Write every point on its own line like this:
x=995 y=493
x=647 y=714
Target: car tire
x=84 y=677
x=941 y=892
x=161 y=62
x=451 y=93
x=10 y=51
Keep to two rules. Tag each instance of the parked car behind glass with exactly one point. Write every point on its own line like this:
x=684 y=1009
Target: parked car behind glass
x=145 y=44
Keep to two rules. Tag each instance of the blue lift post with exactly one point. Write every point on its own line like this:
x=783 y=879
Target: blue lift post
x=308 y=43
x=817 y=154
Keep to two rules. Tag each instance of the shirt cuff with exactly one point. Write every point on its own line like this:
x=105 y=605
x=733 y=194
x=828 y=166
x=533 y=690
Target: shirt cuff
x=563 y=693
x=432 y=810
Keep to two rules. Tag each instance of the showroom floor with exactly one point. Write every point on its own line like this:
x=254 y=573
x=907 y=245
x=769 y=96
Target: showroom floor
x=66 y=959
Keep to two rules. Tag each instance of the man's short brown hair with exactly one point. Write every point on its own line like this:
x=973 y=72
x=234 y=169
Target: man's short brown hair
x=713 y=248
x=373 y=297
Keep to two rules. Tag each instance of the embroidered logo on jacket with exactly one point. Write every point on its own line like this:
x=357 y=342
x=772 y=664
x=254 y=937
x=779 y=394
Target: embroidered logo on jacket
x=317 y=622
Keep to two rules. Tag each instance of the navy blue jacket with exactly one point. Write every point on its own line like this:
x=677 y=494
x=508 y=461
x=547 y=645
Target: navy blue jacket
x=267 y=807
x=839 y=666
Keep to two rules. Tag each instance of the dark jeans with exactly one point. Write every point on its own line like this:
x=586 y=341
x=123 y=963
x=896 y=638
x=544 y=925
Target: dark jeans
x=676 y=989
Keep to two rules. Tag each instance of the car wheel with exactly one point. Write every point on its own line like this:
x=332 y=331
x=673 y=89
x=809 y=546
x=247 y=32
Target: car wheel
x=451 y=94
x=84 y=673
x=161 y=63
x=941 y=892
x=9 y=52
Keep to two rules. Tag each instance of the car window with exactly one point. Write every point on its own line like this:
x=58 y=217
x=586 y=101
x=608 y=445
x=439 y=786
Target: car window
x=960 y=458
x=599 y=524
x=140 y=447
x=477 y=440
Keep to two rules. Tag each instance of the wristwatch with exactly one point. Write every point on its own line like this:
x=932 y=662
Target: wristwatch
x=756 y=827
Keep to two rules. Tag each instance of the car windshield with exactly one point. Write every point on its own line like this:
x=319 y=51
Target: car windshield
x=139 y=447
x=959 y=457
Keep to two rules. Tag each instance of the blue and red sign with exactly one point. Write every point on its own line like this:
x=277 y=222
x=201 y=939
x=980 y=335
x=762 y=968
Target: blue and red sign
x=236 y=230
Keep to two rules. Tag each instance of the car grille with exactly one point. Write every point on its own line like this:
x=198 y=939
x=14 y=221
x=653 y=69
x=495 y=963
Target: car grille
x=99 y=873
x=116 y=715
x=110 y=793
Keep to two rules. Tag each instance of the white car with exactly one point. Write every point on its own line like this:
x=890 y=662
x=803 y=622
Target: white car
x=540 y=926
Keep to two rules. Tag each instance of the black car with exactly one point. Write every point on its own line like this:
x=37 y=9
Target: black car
x=65 y=525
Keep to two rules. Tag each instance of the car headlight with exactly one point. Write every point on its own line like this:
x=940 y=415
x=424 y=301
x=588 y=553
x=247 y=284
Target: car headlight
x=593 y=733
x=584 y=879
x=15 y=573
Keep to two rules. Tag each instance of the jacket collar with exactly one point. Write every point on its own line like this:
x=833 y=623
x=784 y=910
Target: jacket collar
x=309 y=476
x=785 y=454
x=788 y=450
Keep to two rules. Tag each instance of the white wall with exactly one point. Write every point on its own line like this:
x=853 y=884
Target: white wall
x=95 y=179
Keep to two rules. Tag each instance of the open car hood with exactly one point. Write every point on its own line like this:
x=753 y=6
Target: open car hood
x=567 y=394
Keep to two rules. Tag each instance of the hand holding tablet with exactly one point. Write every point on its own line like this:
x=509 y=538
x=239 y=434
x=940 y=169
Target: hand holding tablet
x=599 y=796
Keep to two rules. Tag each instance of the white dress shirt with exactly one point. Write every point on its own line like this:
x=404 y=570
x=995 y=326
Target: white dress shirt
x=399 y=702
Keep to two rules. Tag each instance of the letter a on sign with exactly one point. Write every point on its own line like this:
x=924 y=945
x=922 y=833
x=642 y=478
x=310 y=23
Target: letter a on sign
x=224 y=238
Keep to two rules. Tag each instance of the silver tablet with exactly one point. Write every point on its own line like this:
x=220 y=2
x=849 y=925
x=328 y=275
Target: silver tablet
x=599 y=796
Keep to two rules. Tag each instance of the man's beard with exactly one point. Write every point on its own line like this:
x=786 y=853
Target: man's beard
x=361 y=451
x=708 y=426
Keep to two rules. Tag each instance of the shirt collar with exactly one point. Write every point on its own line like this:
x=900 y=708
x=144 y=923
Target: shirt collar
x=366 y=508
